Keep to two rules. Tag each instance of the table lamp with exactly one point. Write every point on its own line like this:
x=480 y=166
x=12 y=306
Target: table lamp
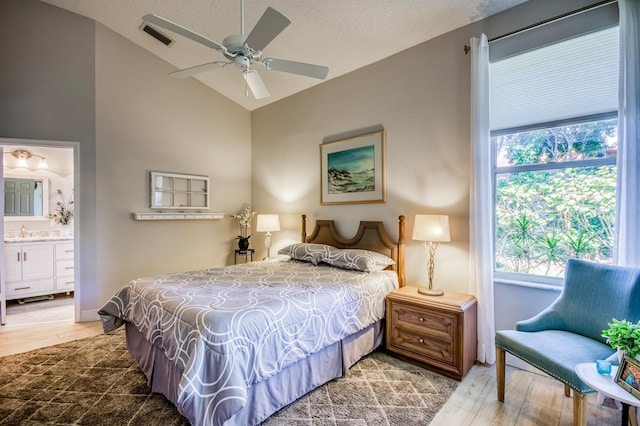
x=268 y=223
x=432 y=230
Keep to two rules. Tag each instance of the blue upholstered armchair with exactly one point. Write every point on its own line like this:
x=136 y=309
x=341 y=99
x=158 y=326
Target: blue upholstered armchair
x=569 y=331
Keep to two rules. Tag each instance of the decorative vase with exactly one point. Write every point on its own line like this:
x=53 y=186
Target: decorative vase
x=66 y=230
x=243 y=244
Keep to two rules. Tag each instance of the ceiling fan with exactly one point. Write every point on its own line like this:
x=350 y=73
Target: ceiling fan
x=245 y=52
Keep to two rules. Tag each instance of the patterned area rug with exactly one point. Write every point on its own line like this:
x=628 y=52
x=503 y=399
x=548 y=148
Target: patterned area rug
x=94 y=381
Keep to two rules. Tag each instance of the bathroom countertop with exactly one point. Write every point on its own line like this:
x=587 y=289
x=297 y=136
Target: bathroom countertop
x=36 y=239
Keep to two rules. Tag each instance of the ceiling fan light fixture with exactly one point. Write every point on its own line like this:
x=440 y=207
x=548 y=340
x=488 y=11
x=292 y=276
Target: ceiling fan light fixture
x=244 y=51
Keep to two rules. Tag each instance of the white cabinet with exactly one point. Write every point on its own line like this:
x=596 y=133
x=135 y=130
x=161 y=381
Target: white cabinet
x=35 y=269
x=65 y=267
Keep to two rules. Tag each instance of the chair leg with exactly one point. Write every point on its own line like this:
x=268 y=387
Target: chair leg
x=500 y=368
x=579 y=409
x=567 y=391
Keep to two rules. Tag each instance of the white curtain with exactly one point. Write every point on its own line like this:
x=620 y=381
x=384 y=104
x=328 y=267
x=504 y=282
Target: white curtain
x=481 y=205
x=627 y=229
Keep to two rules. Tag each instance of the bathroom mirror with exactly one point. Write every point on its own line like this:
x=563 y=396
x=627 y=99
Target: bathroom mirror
x=26 y=198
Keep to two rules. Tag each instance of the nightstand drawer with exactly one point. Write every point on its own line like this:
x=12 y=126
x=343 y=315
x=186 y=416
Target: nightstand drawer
x=423 y=344
x=440 y=325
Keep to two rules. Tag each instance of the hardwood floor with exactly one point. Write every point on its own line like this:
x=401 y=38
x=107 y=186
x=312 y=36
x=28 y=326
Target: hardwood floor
x=34 y=325
x=531 y=399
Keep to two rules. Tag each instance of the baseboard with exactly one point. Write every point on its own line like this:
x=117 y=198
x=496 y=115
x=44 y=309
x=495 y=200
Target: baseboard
x=89 y=315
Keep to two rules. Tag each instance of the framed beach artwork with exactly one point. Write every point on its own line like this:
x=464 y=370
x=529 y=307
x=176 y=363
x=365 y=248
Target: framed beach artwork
x=352 y=170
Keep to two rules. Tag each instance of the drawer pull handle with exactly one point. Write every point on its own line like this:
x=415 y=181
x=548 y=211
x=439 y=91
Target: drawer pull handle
x=68 y=251
x=421 y=319
x=68 y=282
x=421 y=340
x=23 y=288
x=18 y=256
x=68 y=267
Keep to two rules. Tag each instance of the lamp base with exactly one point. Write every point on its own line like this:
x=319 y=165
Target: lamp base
x=430 y=291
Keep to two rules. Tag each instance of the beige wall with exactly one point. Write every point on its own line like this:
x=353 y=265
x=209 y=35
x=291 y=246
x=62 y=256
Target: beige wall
x=148 y=121
x=421 y=98
x=66 y=78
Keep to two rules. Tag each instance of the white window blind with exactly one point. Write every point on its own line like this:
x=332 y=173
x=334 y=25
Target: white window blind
x=572 y=78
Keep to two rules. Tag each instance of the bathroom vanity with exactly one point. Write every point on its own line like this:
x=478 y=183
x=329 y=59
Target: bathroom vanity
x=38 y=266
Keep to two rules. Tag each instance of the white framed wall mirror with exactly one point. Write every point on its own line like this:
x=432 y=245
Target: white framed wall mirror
x=26 y=198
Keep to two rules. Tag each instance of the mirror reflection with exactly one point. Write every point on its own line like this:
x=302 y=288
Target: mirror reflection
x=23 y=197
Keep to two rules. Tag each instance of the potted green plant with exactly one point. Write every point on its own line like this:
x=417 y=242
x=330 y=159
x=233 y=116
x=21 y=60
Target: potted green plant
x=623 y=336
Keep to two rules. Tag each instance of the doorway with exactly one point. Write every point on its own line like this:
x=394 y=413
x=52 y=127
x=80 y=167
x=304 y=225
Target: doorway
x=38 y=275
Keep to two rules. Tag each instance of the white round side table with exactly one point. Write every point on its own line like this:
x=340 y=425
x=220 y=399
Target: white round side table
x=606 y=384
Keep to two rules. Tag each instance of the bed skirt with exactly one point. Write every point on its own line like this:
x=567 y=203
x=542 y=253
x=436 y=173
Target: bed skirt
x=268 y=396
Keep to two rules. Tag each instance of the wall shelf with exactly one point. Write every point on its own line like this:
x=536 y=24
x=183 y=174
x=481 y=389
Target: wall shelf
x=177 y=216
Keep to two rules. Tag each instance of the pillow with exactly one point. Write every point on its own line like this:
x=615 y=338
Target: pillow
x=308 y=252
x=358 y=260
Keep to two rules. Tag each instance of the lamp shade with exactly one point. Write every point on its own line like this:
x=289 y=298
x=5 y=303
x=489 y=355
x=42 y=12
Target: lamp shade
x=268 y=223
x=433 y=228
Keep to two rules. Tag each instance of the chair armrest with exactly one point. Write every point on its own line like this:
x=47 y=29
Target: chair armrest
x=549 y=319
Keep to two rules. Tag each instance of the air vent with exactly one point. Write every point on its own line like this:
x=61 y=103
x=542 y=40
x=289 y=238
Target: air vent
x=156 y=34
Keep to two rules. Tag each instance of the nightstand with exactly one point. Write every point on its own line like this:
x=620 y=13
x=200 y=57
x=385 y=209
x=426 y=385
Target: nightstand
x=436 y=332
x=248 y=255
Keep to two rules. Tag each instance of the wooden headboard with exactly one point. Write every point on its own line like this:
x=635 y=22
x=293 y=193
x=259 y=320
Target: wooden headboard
x=371 y=235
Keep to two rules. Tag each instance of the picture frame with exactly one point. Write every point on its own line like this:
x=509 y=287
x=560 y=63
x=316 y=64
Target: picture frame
x=628 y=375
x=353 y=170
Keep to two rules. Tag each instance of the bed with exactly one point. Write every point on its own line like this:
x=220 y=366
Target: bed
x=233 y=345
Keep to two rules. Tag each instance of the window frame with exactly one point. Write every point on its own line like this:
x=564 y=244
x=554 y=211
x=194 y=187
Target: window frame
x=520 y=277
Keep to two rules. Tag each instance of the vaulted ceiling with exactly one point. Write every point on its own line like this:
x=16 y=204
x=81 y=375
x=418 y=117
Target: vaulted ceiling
x=343 y=35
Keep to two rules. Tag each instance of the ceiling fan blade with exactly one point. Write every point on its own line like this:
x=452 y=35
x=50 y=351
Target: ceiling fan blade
x=188 y=72
x=268 y=27
x=309 y=70
x=256 y=84
x=164 y=23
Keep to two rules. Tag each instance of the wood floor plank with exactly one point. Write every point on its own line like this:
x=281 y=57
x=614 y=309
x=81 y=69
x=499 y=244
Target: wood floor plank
x=530 y=399
x=24 y=338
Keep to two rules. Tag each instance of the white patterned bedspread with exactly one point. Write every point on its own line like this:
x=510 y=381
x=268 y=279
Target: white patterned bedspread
x=234 y=326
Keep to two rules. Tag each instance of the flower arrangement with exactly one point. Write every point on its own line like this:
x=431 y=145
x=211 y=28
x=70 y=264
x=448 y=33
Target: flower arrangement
x=63 y=213
x=623 y=335
x=244 y=218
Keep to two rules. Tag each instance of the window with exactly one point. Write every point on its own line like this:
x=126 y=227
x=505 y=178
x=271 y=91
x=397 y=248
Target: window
x=555 y=197
x=554 y=139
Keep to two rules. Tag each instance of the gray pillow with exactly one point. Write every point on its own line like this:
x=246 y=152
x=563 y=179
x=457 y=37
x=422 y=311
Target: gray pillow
x=308 y=252
x=358 y=260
